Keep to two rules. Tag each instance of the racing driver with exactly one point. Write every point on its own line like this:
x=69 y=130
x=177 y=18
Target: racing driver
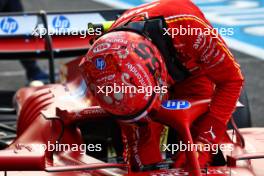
x=202 y=68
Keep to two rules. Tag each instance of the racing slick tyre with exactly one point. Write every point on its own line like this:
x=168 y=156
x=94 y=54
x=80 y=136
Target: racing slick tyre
x=242 y=115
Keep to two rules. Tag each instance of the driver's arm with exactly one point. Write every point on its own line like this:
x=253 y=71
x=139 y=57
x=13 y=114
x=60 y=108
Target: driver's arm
x=214 y=59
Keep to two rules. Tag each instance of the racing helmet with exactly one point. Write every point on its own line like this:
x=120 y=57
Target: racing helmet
x=126 y=74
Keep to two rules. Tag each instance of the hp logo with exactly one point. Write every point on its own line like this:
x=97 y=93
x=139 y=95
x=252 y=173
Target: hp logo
x=176 y=104
x=9 y=25
x=100 y=63
x=61 y=22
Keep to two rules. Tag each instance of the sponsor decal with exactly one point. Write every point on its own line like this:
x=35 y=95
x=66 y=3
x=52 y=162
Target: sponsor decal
x=100 y=63
x=211 y=132
x=135 y=71
x=101 y=47
x=61 y=22
x=146 y=76
x=106 y=78
x=199 y=40
x=117 y=40
x=9 y=25
x=92 y=111
x=176 y=104
x=207 y=57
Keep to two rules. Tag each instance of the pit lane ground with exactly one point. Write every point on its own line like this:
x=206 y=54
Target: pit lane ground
x=12 y=74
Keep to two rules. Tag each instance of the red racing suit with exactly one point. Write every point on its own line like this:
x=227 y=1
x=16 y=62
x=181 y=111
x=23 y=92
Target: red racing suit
x=214 y=74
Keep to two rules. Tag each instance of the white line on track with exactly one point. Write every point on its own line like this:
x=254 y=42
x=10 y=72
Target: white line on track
x=115 y=3
x=12 y=73
x=245 y=48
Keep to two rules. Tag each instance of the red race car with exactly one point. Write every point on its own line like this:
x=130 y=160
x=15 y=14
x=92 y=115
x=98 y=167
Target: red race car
x=56 y=131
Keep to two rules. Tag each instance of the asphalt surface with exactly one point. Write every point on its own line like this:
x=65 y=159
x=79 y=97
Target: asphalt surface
x=12 y=74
